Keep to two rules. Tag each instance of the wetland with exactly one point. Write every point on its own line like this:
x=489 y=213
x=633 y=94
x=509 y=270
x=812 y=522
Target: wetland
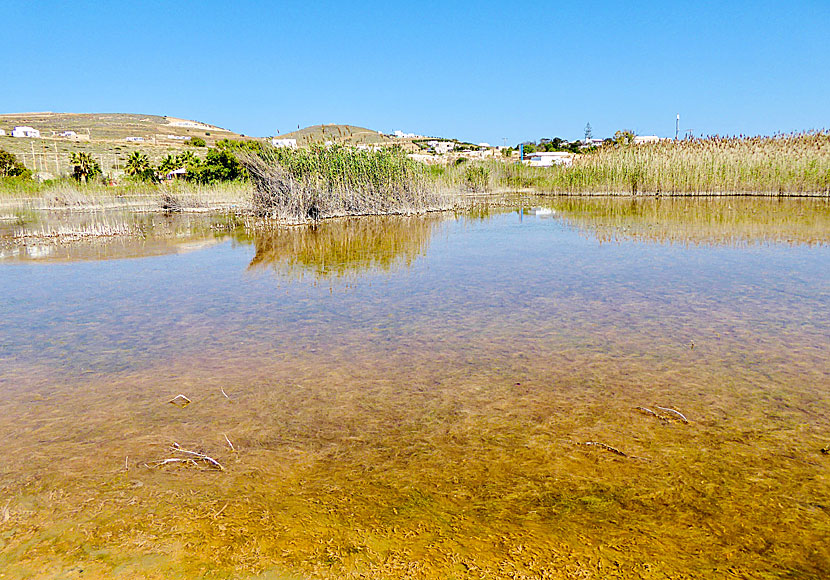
x=491 y=393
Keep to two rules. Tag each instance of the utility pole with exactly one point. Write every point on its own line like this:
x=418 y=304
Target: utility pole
x=677 y=128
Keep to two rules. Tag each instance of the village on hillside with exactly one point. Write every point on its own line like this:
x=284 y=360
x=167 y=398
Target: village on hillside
x=45 y=142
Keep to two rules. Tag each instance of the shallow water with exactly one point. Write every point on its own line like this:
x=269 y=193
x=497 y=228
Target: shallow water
x=412 y=397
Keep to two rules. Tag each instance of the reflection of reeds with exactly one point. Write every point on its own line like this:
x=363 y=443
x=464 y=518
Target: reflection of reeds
x=709 y=220
x=108 y=234
x=335 y=248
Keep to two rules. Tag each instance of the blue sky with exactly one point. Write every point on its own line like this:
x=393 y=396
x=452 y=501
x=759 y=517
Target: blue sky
x=480 y=71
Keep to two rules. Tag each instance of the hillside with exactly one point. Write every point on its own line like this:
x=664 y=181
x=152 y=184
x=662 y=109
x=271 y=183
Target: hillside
x=345 y=135
x=104 y=136
x=341 y=134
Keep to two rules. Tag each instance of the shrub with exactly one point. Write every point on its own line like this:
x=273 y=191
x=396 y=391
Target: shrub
x=11 y=167
x=477 y=178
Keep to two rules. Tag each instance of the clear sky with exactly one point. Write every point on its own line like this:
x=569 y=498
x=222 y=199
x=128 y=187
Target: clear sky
x=480 y=71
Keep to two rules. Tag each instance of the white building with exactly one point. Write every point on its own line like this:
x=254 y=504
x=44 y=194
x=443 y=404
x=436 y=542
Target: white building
x=134 y=139
x=2 y=132
x=402 y=135
x=641 y=139
x=442 y=147
x=549 y=159
x=287 y=143
x=26 y=132
x=68 y=134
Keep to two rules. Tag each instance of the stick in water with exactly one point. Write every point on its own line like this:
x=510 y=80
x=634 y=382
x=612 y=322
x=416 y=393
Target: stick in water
x=606 y=447
x=678 y=414
x=229 y=443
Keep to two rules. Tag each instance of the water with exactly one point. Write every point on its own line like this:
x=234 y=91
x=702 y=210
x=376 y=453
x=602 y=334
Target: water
x=412 y=397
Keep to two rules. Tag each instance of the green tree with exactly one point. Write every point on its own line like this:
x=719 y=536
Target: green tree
x=11 y=167
x=168 y=164
x=219 y=165
x=624 y=137
x=138 y=166
x=84 y=166
x=186 y=159
x=589 y=132
x=197 y=142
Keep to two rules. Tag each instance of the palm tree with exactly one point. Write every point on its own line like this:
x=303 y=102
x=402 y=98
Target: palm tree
x=137 y=164
x=168 y=164
x=186 y=159
x=85 y=166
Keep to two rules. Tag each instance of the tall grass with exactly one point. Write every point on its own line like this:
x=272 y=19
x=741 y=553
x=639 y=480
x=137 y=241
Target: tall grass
x=792 y=164
x=320 y=182
x=70 y=194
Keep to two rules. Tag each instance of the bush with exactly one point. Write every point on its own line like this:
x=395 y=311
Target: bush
x=477 y=178
x=197 y=142
x=11 y=167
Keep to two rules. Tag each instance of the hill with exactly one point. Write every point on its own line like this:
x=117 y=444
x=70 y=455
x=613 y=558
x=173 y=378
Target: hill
x=104 y=135
x=345 y=135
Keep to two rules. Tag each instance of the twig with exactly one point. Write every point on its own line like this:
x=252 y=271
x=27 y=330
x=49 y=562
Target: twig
x=209 y=460
x=226 y=394
x=229 y=443
x=180 y=401
x=170 y=460
x=678 y=414
x=648 y=411
x=606 y=447
x=216 y=515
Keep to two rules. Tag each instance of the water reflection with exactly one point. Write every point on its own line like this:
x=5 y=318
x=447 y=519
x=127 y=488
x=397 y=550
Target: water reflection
x=107 y=235
x=431 y=421
x=720 y=221
x=335 y=248
x=339 y=247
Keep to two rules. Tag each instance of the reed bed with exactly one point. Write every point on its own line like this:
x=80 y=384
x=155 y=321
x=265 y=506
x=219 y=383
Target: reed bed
x=67 y=194
x=298 y=185
x=791 y=164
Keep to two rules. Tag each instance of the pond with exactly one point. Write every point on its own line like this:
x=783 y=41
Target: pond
x=567 y=388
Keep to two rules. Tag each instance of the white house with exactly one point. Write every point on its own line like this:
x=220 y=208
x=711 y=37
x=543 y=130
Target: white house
x=641 y=139
x=287 y=143
x=134 y=139
x=442 y=147
x=2 y=132
x=549 y=159
x=176 y=173
x=68 y=134
x=26 y=132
